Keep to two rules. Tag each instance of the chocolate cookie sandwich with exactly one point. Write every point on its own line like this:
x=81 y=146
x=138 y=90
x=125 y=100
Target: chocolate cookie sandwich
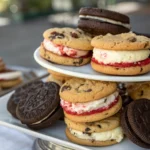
x=100 y=133
x=17 y=96
x=135 y=122
x=100 y=22
x=40 y=107
x=66 y=46
x=122 y=54
x=87 y=101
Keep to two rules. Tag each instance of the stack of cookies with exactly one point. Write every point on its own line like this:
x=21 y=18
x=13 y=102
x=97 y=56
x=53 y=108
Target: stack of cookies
x=90 y=109
x=9 y=78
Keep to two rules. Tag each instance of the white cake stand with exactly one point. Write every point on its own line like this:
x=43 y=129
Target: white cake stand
x=81 y=72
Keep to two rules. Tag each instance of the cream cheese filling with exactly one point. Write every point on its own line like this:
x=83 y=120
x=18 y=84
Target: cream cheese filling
x=89 y=106
x=10 y=75
x=106 y=20
x=123 y=56
x=61 y=50
x=115 y=134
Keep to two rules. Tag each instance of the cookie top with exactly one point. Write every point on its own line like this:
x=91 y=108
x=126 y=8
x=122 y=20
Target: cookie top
x=69 y=37
x=82 y=90
x=140 y=90
x=38 y=103
x=91 y=11
x=124 y=41
x=139 y=118
x=98 y=126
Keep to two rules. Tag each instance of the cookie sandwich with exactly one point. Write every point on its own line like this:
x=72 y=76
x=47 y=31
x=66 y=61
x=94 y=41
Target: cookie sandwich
x=122 y=54
x=40 y=107
x=100 y=21
x=135 y=122
x=66 y=46
x=100 y=133
x=87 y=101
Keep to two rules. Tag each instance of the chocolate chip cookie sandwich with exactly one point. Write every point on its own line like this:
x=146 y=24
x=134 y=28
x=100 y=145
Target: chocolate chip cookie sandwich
x=135 y=122
x=100 y=22
x=100 y=133
x=87 y=101
x=122 y=54
x=66 y=46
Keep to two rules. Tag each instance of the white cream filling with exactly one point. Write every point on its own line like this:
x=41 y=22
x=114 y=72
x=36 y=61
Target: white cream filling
x=111 y=56
x=89 y=106
x=115 y=134
x=106 y=20
x=61 y=50
x=10 y=75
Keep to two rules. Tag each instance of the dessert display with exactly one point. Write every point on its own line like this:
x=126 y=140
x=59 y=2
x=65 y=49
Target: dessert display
x=122 y=54
x=39 y=107
x=135 y=122
x=9 y=78
x=66 y=46
x=100 y=22
x=96 y=113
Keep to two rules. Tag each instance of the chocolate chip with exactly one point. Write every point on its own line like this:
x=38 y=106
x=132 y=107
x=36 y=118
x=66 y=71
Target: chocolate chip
x=112 y=140
x=87 y=129
x=78 y=62
x=55 y=35
x=105 y=100
x=146 y=44
x=88 y=90
x=142 y=92
x=74 y=35
x=106 y=114
x=141 y=69
x=99 y=126
x=93 y=140
x=65 y=88
x=131 y=39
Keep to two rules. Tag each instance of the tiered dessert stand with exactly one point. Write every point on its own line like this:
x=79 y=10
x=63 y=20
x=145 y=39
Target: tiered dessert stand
x=87 y=72
x=56 y=134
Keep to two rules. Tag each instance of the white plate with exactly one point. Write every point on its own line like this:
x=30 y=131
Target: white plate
x=87 y=72
x=55 y=133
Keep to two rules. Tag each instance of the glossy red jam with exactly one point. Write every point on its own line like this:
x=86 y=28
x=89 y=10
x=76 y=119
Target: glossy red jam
x=93 y=111
x=123 y=65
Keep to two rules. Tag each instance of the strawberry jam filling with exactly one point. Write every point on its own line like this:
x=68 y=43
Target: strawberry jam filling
x=99 y=110
x=123 y=65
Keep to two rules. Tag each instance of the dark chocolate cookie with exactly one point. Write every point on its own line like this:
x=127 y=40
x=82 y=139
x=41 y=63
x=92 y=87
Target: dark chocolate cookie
x=130 y=131
x=16 y=96
x=39 y=104
x=139 y=117
x=100 y=22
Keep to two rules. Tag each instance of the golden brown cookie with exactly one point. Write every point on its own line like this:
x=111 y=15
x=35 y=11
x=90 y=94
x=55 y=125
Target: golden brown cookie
x=82 y=90
x=59 y=76
x=69 y=37
x=124 y=41
x=98 y=126
x=77 y=140
x=51 y=78
x=112 y=70
x=96 y=116
x=62 y=60
x=10 y=83
x=140 y=91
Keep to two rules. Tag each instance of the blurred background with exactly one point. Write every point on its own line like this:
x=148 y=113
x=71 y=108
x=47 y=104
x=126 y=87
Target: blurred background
x=22 y=22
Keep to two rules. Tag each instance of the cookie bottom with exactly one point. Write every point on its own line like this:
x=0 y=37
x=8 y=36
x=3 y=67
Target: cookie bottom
x=120 y=71
x=74 y=139
x=63 y=60
x=97 y=116
x=5 y=84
